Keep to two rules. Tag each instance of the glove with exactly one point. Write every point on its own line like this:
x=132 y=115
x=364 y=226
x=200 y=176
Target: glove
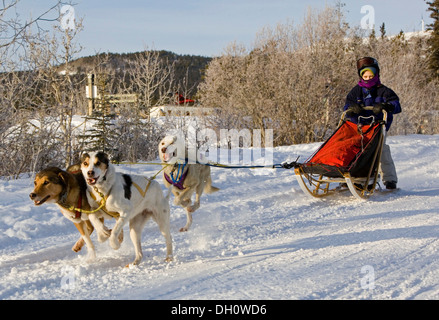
x=354 y=109
x=379 y=107
x=389 y=107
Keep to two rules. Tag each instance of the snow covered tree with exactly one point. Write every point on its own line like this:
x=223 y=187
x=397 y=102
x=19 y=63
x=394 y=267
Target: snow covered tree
x=434 y=39
x=102 y=135
x=33 y=92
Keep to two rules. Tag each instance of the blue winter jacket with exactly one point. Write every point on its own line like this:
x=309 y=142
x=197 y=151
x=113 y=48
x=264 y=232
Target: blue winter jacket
x=381 y=93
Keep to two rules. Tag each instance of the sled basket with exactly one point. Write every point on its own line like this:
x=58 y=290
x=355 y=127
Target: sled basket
x=349 y=158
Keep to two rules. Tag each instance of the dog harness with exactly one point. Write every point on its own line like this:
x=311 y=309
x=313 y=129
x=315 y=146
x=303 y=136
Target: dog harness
x=177 y=182
x=78 y=209
x=104 y=198
x=75 y=210
x=102 y=207
x=142 y=193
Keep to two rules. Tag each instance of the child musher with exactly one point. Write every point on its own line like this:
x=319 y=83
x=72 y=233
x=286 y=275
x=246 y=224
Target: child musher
x=370 y=92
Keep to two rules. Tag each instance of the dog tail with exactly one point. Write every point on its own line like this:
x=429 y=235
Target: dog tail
x=209 y=188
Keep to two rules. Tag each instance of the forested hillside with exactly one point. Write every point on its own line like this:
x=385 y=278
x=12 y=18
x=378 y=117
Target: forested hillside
x=188 y=69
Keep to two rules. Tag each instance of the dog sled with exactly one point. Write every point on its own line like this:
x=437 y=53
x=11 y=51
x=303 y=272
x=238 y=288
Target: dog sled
x=348 y=160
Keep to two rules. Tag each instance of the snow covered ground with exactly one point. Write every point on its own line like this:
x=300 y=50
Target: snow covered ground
x=259 y=237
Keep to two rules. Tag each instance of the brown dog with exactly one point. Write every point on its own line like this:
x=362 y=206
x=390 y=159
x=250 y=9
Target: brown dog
x=185 y=179
x=68 y=191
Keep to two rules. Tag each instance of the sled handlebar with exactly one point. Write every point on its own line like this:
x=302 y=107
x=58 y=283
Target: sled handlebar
x=369 y=108
x=384 y=112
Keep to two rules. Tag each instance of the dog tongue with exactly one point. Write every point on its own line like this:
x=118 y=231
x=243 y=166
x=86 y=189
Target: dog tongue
x=38 y=202
x=166 y=157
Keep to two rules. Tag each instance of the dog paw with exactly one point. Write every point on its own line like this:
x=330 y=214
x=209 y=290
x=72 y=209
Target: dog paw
x=76 y=248
x=91 y=256
x=114 y=242
x=169 y=259
x=103 y=236
x=135 y=262
x=184 y=229
x=132 y=265
x=78 y=245
x=193 y=208
x=186 y=202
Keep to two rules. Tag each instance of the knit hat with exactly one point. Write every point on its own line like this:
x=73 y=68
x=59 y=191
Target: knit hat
x=367 y=62
x=371 y=69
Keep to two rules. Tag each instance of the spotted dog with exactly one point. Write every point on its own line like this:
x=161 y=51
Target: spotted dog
x=131 y=198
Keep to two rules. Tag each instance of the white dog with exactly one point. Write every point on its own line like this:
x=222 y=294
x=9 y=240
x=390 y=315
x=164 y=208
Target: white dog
x=185 y=179
x=130 y=198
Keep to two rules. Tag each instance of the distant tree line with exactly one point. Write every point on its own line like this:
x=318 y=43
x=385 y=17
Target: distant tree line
x=295 y=78
x=188 y=70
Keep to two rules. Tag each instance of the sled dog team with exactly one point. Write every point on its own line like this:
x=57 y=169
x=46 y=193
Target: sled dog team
x=93 y=191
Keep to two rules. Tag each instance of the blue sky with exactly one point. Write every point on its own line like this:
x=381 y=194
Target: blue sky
x=205 y=27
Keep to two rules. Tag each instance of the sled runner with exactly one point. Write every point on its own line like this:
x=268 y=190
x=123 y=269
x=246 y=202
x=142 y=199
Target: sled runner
x=348 y=160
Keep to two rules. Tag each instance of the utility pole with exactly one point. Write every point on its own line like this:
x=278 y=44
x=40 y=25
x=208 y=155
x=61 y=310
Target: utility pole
x=91 y=93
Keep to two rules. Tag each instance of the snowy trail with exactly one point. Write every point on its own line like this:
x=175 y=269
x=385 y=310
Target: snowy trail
x=259 y=237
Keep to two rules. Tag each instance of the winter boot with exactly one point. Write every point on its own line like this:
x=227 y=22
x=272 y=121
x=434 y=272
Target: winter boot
x=390 y=185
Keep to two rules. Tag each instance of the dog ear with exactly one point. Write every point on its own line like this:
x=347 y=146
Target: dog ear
x=64 y=176
x=103 y=157
x=74 y=168
x=83 y=156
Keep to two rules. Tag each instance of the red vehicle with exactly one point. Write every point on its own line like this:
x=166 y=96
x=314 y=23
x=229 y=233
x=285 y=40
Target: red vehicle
x=182 y=100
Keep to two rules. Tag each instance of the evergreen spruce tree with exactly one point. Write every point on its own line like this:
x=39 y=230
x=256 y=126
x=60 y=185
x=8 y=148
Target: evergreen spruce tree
x=102 y=136
x=383 y=31
x=434 y=39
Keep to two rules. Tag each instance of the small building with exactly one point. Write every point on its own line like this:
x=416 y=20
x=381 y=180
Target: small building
x=179 y=111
